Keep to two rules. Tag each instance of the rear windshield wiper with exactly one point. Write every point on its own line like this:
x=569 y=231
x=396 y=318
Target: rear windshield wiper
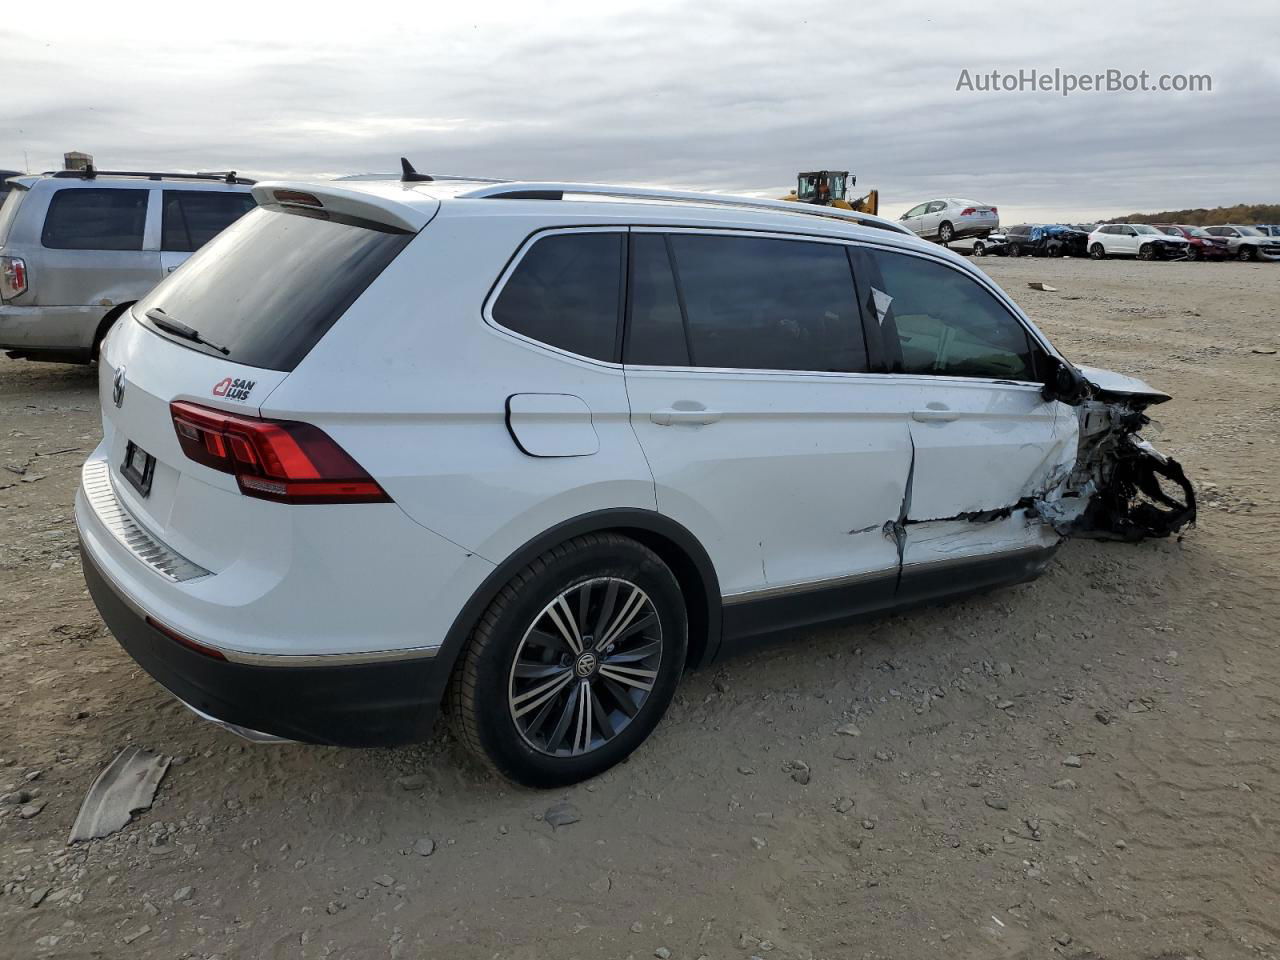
x=180 y=329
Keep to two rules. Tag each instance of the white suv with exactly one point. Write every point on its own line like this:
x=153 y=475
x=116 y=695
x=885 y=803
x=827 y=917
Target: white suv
x=532 y=449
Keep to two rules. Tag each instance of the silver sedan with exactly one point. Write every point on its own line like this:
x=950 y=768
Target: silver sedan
x=950 y=219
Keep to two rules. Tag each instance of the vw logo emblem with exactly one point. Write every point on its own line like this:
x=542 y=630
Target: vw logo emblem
x=117 y=387
x=586 y=665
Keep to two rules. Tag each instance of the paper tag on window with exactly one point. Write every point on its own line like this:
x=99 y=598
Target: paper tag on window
x=882 y=302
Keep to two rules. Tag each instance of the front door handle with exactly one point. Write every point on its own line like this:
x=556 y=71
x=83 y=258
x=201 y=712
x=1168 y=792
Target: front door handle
x=934 y=416
x=698 y=416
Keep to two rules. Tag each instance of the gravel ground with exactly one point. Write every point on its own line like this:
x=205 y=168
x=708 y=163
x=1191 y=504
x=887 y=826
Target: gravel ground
x=1085 y=766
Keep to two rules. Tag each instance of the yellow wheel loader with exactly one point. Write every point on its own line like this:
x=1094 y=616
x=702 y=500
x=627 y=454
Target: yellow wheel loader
x=829 y=188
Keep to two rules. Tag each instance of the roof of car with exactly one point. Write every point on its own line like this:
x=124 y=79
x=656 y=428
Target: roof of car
x=412 y=204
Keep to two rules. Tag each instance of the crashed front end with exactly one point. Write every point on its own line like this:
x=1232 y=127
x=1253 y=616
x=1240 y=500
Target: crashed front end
x=1121 y=487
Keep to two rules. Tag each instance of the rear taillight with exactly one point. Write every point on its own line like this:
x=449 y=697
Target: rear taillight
x=13 y=277
x=968 y=212
x=995 y=209
x=282 y=460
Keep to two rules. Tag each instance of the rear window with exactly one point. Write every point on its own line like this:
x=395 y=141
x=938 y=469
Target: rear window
x=272 y=284
x=96 y=219
x=9 y=209
x=194 y=217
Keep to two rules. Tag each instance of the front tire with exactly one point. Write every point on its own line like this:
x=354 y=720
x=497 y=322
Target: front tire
x=1247 y=253
x=1097 y=252
x=1147 y=251
x=573 y=664
x=979 y=249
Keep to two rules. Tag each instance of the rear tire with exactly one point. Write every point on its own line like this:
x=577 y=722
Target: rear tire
x=545 y=711
x=1098 y=252
x=946 y=233
x=104 y=327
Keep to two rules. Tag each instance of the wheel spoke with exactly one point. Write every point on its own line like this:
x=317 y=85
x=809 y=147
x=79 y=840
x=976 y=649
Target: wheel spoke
x=536 y=671
x=636 y=653
x=601 y=715
x=532 y=699
x=644 y=623
x=584 y=602
x=566 y=717
x=628 y=706
x=641 y=679
x=606 y=608
x=568 y=629
x=628 y=612
x=582 y=728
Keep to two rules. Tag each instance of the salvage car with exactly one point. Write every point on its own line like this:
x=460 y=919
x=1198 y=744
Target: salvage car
x=1139 y=240
x=529 y=450
x=951 y=219
x=993 y=245
x=1247 y=243
x=79 y=247
x=1201 y=245
x=1046 y=240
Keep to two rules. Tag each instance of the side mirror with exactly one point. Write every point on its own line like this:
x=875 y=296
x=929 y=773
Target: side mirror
x=1063 y=382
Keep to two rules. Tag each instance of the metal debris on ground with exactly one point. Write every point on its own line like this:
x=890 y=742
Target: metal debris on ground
x=127 y=786
x=1037 y=285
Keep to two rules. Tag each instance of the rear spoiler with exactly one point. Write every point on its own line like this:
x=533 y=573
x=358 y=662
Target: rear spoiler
x=386 y=203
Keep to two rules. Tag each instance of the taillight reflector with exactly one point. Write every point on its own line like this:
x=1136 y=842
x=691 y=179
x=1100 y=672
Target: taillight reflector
x=187 y=642
x=283 y=460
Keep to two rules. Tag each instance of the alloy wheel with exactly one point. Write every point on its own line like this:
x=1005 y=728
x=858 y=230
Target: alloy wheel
x=585 y=667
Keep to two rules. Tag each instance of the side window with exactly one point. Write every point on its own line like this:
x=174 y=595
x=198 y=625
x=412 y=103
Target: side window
x=95 y=219
x=747 y=303
x=917 y=210
x=946 y=323
x=935 y=206
x=193 y=217
x=566 y=292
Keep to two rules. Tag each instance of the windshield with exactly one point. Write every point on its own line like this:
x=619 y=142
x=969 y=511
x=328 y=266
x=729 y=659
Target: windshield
x=1198 y=232
x=272 y=284
x=1250 y=231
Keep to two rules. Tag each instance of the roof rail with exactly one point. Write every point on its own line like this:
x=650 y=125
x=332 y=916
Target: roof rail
x=90 y=172
x=515 y=190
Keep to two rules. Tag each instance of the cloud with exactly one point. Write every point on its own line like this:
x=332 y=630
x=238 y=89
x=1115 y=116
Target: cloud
x=732 y=97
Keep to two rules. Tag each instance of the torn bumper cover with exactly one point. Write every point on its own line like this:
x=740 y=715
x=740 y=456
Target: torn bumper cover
x=1121 y=487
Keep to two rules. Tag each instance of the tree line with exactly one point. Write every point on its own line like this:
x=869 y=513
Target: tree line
x=1203 y=217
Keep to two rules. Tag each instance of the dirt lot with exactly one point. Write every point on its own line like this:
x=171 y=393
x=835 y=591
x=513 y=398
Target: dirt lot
x=1086 y=766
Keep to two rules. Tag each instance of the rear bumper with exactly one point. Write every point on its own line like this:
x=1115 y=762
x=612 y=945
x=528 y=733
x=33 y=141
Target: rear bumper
x=49 y=329
x=351 y=704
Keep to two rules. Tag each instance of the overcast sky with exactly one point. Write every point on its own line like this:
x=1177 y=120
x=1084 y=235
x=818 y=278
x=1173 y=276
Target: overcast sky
x=722 y=96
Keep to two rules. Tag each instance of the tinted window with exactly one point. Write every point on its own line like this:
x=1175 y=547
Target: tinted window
x=193 y=217
x=655 y=329
x=749 y=303
x=566 y=292
x=946 y=322
x=91 y=219
x=270 y=285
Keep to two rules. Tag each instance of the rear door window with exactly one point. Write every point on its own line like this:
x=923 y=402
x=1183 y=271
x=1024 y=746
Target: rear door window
x=193 y=217
x=945 y=322
x=566 y=291
x=272 y=284
x=747 y=303
x=96 y=219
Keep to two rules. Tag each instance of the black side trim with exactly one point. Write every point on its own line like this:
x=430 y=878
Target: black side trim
x=750 y=622
x=693 y=570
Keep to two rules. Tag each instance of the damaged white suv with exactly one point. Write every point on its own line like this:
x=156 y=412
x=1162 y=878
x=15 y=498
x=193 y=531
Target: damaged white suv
x=532 y=449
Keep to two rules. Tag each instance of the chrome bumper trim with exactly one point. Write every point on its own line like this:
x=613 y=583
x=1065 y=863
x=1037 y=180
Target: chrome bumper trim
x=100 y=493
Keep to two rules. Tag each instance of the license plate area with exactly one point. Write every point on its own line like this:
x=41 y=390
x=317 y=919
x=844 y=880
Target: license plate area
x=139 y=468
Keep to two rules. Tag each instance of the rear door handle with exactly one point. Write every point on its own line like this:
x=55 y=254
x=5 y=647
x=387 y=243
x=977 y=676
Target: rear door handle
x=699 y=416
x=934 y=416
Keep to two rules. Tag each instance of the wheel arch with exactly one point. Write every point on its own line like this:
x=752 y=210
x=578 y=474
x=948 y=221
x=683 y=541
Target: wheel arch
x=677 y=547
x=111 y=316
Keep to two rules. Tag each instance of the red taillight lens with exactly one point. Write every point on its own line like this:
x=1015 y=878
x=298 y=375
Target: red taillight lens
x=297 y=196
x=968 y=212
x=13 y=276
x=995 y=209
x=282 y=460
